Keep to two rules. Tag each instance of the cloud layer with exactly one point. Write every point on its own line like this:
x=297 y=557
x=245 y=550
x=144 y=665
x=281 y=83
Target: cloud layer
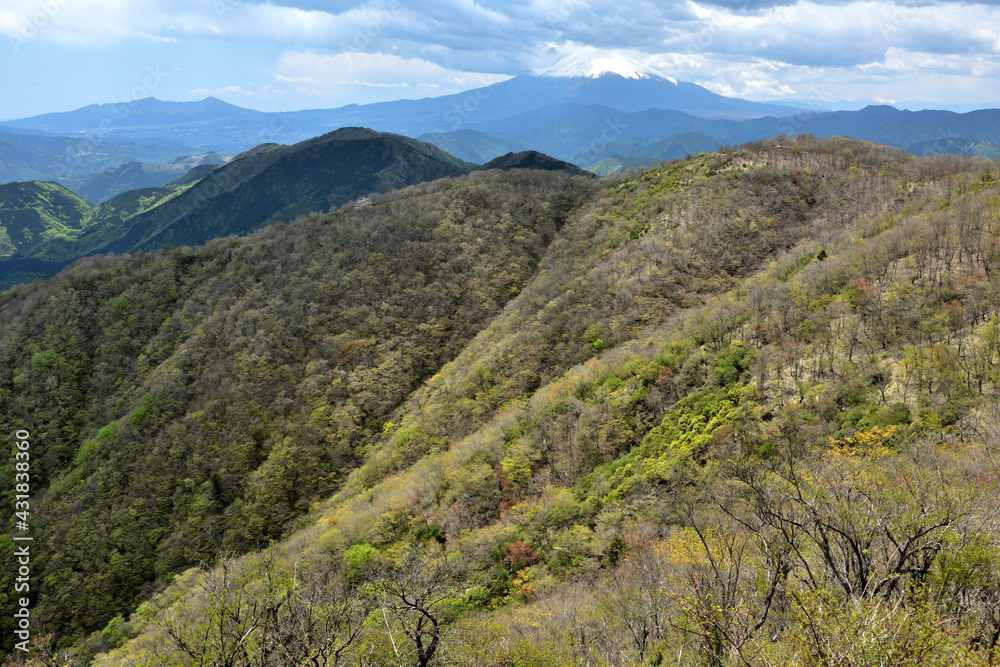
x=939 y=51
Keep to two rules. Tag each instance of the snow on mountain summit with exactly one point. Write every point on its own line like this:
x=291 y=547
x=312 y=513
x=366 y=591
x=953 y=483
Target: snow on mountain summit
x=594 y=65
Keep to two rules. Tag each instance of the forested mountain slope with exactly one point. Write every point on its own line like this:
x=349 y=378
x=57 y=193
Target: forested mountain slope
x=738 y=410
x=35 y=211
x=268 y=184
x=210 y=395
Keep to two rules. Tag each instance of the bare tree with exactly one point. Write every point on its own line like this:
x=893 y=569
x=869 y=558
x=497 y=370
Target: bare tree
x=256 y=611
x=419 y=598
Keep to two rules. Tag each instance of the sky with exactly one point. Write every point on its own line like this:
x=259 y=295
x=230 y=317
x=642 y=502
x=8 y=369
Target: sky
x=283 y=55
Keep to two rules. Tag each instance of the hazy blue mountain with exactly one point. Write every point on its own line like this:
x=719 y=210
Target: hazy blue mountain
x=586 y=134
x=206 y=125
x=679 y=146
x=35 y=156
x=582 y=110
x=676 y=147
x=588 y=81
x=147 y=112
x=629 y=86
x=984 y=149
x=213 y=124
x=135 y=175
x=472 y=145
x=879 y=123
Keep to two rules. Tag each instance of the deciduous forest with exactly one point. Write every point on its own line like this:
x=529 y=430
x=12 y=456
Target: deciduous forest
x=738 y=410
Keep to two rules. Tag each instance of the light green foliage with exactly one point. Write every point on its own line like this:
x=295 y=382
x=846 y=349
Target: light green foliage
x=35 y=212
x=517 y=468
x=359 y=555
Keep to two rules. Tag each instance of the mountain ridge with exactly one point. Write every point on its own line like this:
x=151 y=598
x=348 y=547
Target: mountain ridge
x=509 y=114
x=542 y=397
x=469 y=109
x=268 y=184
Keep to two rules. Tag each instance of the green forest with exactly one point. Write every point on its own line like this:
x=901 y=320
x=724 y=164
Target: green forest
x=741 y=409
x=48 y=227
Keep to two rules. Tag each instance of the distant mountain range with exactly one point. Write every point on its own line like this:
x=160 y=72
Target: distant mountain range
x=27 y=155
x=582 y=110
x=212 y=124
x=585 y=135
x=44 y=226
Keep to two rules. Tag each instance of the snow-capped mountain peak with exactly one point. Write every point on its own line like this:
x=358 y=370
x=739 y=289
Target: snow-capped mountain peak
x=597 y=64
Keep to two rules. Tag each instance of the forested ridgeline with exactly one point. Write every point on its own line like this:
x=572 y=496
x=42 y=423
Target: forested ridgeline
x=199 y=397
x=263 y=186
x=738 y=410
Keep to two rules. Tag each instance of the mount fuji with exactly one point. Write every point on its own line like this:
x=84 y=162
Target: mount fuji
x=585 y=79
x=621 y=82
x=592 y=66
x=588 y=78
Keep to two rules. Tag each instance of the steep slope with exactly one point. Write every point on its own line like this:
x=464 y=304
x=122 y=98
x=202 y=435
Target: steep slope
x=706 y=354
x=33 y=212
x=208 y=395
x=104 y=224
x=289 y=181
x=97 y=226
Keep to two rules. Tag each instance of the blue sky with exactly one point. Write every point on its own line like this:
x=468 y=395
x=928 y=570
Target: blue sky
x=57 y=55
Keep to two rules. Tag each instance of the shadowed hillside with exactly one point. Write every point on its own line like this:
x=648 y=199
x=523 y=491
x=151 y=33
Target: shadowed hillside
x=268 y=184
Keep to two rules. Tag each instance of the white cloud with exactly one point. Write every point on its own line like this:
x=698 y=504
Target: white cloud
x=504 y=35
x=72 y=21
x=857 y=32
x=365 y=50
x=365 y=74
x=237 y=91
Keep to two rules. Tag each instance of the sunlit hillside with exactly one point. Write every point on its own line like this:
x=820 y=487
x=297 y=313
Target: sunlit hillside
x=738 y=410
